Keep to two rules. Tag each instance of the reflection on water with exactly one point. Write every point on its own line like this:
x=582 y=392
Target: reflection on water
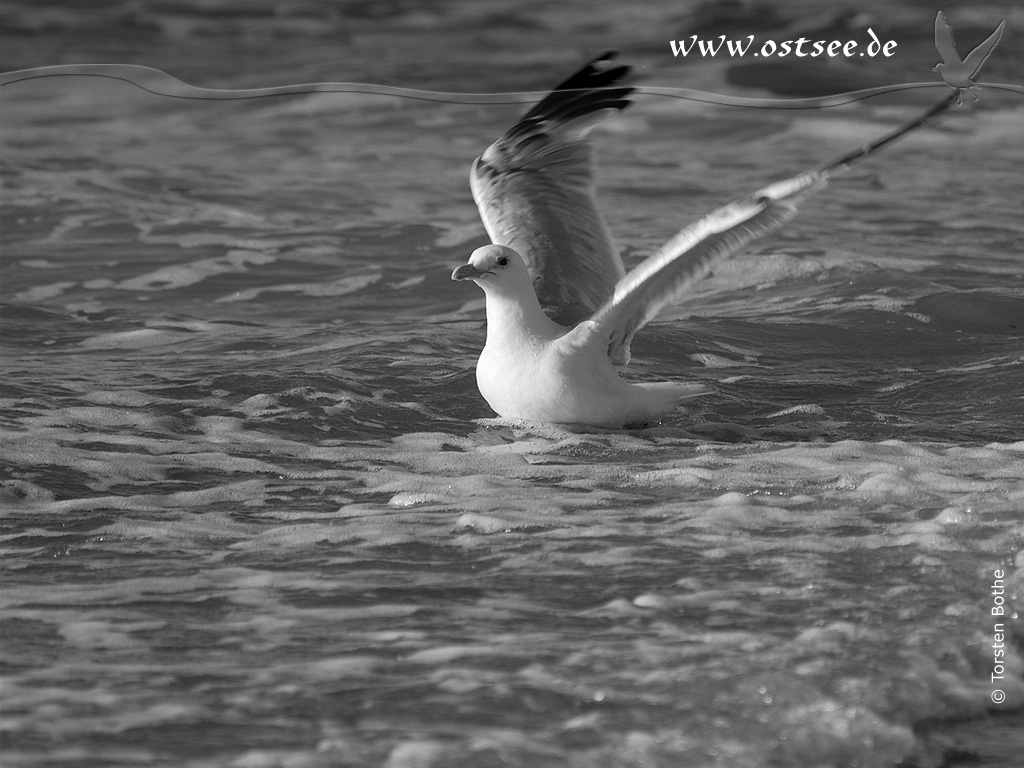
x=256 y=514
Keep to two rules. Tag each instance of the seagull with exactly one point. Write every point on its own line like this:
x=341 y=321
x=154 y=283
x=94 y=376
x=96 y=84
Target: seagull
x=959 y=74
x=561 y=310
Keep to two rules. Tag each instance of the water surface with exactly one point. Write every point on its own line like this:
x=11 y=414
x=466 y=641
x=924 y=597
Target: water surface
x=256 y=514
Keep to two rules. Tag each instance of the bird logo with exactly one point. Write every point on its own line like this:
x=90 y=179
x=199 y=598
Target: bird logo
x=959 y=74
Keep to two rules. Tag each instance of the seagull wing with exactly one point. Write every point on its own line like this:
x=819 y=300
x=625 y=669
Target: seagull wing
x=535 y=190
x=668 y=272
x=944 y=41
x=976 y=58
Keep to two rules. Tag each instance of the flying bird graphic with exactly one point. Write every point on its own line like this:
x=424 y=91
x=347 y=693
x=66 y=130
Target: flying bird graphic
x=958 y=74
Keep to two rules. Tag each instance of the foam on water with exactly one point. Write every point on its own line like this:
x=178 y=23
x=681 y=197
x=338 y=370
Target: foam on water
x=548 y=585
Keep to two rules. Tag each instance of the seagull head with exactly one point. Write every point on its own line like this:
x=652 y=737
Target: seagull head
x=495 y=267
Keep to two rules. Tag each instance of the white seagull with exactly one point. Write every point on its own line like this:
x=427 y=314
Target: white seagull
x=561 y=309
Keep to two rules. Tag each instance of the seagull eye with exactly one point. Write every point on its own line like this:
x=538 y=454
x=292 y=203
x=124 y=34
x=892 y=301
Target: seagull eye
x=503 y=261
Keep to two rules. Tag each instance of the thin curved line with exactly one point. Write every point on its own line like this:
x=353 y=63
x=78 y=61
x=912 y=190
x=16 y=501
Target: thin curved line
x=803 y=103
x=806 y=103
x=160 y=83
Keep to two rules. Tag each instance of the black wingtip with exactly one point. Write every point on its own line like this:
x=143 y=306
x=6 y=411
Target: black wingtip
x=595 y=86
x=596 y=73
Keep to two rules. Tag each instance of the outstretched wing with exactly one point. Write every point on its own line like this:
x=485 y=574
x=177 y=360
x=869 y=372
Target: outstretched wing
x=535 y=190
x=944 y=41
x=665 y=275
x=976 y=58
x=690 y=255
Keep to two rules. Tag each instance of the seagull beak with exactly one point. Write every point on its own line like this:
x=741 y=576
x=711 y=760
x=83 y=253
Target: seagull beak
x=468 y=272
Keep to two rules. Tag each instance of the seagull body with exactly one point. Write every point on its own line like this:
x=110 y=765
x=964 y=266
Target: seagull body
x=534 y=368
x=561 y=309
x=959 y=74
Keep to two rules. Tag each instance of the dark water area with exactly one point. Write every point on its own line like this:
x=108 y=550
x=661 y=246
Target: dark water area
x=255 y=512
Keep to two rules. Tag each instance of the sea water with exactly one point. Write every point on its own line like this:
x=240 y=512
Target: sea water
x=255 y=512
